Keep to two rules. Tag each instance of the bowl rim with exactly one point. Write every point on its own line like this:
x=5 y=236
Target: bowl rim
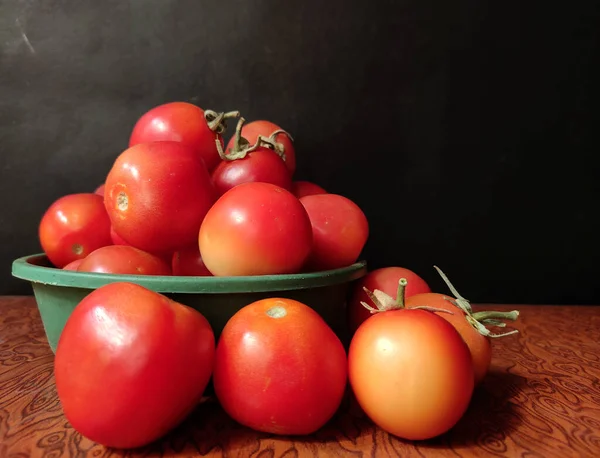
x=24 y=269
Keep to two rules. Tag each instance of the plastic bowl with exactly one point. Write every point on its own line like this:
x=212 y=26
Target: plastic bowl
x=58 y=291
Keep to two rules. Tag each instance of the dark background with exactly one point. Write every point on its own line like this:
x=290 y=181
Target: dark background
x=466 y=130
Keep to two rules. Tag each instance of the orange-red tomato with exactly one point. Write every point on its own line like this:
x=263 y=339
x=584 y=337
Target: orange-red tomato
x=74 y=226
x=188 y=262
x=411 y=373
x=384 y=279
x=137 y=360
x=253 y=129
x=100 y=190
x=124 y=259
x=479 y=345
x=181 y=122
x=340 y=231
x=73 y=265
x=255 y=229
x=279 y=368
x=306 y=188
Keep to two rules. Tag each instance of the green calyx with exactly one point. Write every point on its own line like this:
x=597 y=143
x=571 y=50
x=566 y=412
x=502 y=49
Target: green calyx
x=242 y=147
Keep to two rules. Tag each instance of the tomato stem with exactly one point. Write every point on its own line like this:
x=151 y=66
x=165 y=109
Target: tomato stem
x=217 y=122
x=400 y=292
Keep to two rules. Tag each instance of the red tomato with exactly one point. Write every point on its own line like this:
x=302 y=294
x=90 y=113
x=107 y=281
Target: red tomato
x=73 y=265
x=340 y=230
x=255 y=229
x=279 y=368
x=123 y=259
x=157 y=195
x=306 y=188
x=253 y=129
x=100 y=190
x=386 y=280
x=263 y=165
x=188 y=262
x=74 y=226
x=136 y=359
x=116 y=238
x=181 y=122
x=411 y=373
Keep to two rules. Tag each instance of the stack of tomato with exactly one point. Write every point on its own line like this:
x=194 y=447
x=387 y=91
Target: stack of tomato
x=131 y=364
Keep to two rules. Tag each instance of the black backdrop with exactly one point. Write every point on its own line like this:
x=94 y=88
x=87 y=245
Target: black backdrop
x=463 y=129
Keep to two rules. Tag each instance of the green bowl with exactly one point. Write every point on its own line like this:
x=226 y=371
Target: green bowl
x=58 y=291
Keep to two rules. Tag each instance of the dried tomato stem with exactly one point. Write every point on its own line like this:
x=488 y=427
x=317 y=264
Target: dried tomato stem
x=217 y=122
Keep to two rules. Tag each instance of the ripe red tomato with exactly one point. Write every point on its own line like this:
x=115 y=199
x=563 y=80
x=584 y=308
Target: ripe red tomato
x=340 y=230
x=123 y=259
x=136 y=359
x=253 y=129
x=255 y=229
x=100 y=190
x=116 y=238
x=279 y=368
x=306 y=188
x=262 y=165
x=188 y=262
x=386 y=280
x=73 y=265
x=411 y=373
x=181 y=122
x=74 y=226
x=157 y=195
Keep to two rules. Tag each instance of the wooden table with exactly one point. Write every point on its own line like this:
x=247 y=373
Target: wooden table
x=541 y=399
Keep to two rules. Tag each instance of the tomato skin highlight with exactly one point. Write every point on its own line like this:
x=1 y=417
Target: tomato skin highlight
x=261 y=165
x=181 y=122
x=411 y=373
x=157 y=195
x=253 y=129
x=384 y=279
x=123 y=259
x=306 y=188
x=255 y=229
x=136 y=359
x=340 y=231
x=72 y=227
x=279 y=368
x=479 y=345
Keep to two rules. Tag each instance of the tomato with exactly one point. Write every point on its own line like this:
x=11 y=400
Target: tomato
x=306 y=188
x=157 y=195
x=471 y=326
x=411 y=373
x=188 y=262
x=182 y=122
x=116 y=238
x=253 y=129
x=279 y=368
x=73 y=265
x=100 y=190
x=123 y=259
x=262 y=165
x=384 y=279
x=340 y=230
x=135 y=359
x=255 y=229
x=72 y=227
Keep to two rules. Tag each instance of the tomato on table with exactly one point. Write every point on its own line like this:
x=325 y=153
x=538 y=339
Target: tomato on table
x=255 y=229
x=264 y=128
x=340 y=231
x=131 y=364
x=74 y=226
x=384 y=279
x=411 y=372
x=279 y=368
x=124 y=259
x=157 y=195
x=182 y=122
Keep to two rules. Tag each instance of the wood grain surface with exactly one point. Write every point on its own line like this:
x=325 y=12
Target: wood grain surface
x=541 y=399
